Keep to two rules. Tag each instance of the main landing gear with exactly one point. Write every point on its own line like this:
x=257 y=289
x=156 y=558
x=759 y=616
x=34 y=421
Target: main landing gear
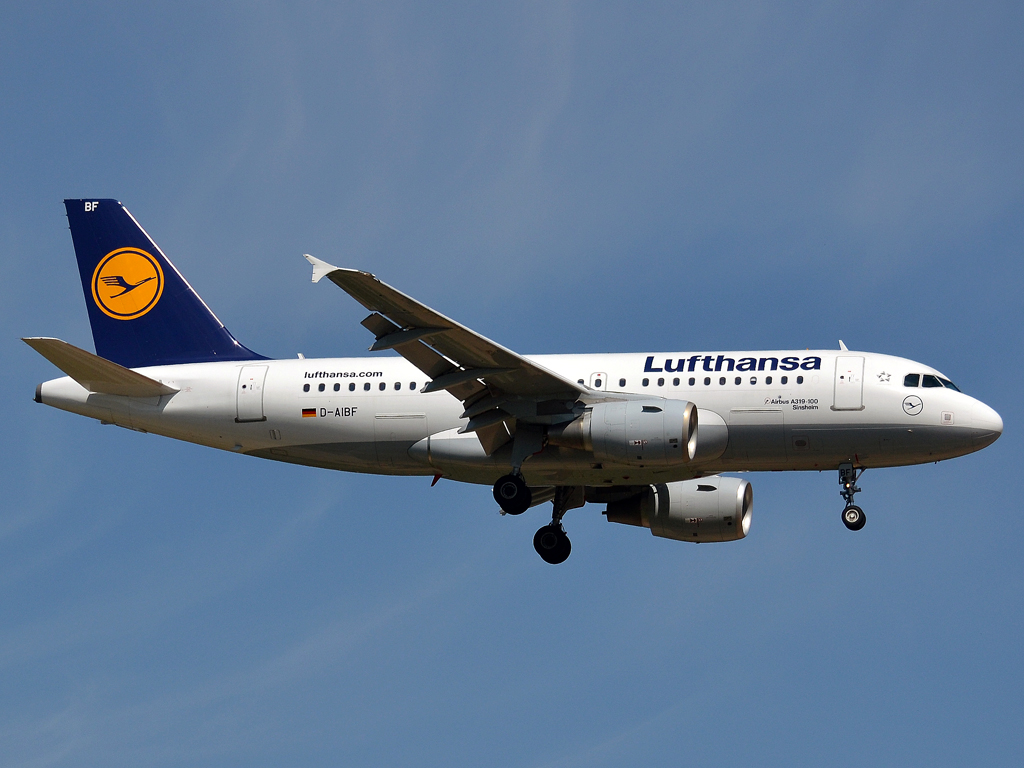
x=551 y=541
x=853 y=516
x=512 y=494
x=514 y=497
x=510 y=491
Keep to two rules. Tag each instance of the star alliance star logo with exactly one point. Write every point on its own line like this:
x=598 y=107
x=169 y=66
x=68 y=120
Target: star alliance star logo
x=883 y=377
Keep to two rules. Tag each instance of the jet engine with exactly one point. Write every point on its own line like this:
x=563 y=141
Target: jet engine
x=655 y=432
x=709 y=509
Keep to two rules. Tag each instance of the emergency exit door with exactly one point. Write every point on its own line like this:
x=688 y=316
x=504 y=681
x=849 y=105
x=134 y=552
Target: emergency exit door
x=249 y=399
x=849 y=386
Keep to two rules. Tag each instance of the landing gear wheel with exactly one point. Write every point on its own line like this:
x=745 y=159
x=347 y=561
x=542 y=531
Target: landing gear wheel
x=853 y=517
x=512 y=494
x=552 y=544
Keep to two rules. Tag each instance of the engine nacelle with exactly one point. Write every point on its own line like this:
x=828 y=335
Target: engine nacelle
x=710 y=509
x=654 y=432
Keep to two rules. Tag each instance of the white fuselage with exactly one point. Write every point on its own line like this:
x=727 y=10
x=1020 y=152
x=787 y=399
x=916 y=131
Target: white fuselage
x=368 y=414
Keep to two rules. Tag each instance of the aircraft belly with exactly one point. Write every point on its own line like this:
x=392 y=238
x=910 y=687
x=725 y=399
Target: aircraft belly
x=756 y=438
x=346 y=457
x=825 y=447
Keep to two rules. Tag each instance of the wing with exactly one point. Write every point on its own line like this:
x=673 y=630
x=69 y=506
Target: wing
x=498 y=387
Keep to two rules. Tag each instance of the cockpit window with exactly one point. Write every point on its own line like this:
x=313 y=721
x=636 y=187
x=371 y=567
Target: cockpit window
x=930 y=381
x=912 y=380
x=949 y=385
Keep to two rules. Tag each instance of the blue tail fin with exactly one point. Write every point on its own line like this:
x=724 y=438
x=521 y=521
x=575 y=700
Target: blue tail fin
x=142 y=310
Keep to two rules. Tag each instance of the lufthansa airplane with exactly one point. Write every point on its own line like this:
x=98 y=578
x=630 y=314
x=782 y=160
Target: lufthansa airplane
x=645 y=434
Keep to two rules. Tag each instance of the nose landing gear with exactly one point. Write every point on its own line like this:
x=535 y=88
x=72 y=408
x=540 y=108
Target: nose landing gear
x=853 y=516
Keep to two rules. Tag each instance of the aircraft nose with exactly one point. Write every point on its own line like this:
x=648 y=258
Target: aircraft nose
x=987 y=425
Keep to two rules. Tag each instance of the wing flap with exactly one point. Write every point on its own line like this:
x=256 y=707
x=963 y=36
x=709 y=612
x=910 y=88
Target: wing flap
x=95 y=373
x=423 y=357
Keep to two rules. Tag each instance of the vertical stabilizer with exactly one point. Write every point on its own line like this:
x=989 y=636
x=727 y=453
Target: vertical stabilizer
x=142 y=311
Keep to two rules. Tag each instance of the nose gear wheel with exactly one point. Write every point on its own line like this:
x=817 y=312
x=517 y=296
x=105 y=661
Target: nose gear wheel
x=853 y=516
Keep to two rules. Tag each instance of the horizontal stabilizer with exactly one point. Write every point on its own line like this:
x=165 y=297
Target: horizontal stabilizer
x=95 y=373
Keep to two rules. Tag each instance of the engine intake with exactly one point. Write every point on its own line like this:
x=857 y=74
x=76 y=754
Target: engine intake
x=654 y=432
x=710 y=509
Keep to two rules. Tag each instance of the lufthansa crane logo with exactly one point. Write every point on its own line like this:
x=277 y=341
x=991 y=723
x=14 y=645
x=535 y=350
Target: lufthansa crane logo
x=912 y=405
x=127 y=283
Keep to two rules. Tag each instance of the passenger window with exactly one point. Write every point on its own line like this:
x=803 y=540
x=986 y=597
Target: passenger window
x=739 y=380
x=305 y=387
x=784 y=379
x=645 y=382
x=931 y=382
x=381 y=386
x=398 y=385
x=799 y=379
x=352 y=387
x=707 y=381
x=949 y=385
x=767 y=379
x=366 y=387
x=661 y=382
x=321 y=387
x=692 y=381
x=622 y=382
x=579 y=381
x=597 y=383
x=675 y=382
x=911 y=380
x=337 y=387
x=753 y=379
x=412 y=385
x=722 y=380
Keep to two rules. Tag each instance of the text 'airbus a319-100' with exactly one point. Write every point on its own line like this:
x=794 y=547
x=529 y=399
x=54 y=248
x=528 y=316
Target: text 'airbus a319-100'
x=645 y=434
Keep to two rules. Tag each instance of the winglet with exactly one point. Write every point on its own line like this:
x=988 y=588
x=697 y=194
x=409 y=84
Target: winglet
x=97 y=374
x=843 y=346
x=320 y=268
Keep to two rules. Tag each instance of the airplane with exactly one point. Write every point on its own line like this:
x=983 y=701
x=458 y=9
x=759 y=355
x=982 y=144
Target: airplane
x=648 y=435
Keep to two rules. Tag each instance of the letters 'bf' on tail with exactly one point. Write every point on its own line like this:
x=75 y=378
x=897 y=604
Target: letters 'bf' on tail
x=142 y=311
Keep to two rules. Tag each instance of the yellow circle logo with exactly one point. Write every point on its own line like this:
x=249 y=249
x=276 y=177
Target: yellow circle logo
x=127 y=283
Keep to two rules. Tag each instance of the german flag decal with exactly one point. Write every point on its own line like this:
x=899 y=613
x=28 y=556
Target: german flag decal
x=307 y=412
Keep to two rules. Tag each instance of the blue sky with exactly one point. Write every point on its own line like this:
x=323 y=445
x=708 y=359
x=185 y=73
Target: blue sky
x=560 y=177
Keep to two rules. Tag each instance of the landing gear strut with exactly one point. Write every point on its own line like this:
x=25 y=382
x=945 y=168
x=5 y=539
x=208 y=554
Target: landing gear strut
x=853 y=516
x=551 y=541
x=511 y=492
